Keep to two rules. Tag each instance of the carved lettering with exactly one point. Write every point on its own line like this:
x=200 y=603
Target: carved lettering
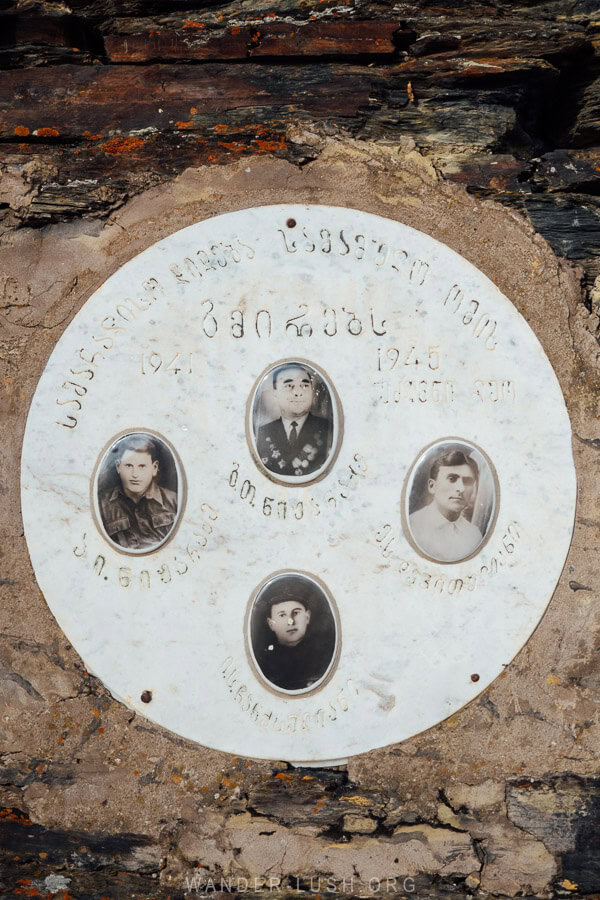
x=436 y=582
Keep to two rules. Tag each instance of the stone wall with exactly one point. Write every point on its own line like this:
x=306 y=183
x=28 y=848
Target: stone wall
x=123 y=122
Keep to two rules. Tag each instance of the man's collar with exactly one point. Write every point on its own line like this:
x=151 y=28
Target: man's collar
x=299 y=420
x=438 y=519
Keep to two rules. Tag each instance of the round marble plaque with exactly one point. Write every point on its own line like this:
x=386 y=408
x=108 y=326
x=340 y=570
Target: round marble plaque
x=297 y=482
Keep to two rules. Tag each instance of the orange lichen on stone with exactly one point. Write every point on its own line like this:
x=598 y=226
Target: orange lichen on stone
x=221 y=129
x=270 y=146
x=193 y=110
x=117 y=146
x=15 y=815
x=233 y=146
x=283 y=776
x=176 y=778
x=46 y=132
x=235 y=29
x=191 y=24
x=27 y=892
x=21 y=131
x=183 y=125
x=92 y=137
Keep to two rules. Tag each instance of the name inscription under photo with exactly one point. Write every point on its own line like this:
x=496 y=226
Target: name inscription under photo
x=316 y=447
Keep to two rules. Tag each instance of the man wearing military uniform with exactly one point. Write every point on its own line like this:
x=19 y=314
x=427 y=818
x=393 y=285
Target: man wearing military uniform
x=137 y=513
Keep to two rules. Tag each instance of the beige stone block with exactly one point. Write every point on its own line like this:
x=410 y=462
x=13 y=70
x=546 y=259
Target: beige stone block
x=359 y=824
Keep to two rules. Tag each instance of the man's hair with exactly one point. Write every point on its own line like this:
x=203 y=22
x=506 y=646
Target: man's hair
x=453 y=458
x=138 y=442
x=291 y=365
x=284 y=599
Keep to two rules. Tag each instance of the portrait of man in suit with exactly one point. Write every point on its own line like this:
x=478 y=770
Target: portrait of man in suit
x=298 y=441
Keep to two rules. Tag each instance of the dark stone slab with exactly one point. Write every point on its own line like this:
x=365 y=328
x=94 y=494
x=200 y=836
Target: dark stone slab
x=564 y=812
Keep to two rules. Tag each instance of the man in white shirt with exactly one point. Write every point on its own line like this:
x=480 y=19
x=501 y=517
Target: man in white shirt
x=441 y=529
x=298 y=442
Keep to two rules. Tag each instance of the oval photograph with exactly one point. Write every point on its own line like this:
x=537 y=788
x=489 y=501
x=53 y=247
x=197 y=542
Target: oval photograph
x=451 y=501
x=293 y=633
x=295 y=423
x=138 y=492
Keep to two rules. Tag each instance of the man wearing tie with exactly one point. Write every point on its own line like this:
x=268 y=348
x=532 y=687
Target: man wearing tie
x=298 y=442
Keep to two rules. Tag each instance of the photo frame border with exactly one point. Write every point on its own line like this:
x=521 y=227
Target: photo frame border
x=333 y=664
x=404 y=498
x=181 y=495
x=336 y=402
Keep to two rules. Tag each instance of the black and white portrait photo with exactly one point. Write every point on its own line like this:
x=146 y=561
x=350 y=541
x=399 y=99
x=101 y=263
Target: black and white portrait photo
x=138 y=492
x=293 y=633
x=295 y=422
x=451 y=501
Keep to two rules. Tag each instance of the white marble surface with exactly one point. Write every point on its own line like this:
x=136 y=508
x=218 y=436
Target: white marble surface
x=413 y=632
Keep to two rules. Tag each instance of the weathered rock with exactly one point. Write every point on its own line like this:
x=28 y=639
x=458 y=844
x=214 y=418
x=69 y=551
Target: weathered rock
x=300 y=798
x=564 y=813
x=359 y=824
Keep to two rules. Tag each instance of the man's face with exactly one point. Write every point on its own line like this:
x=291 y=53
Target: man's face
x=294 y=392
x=136 y=471
x=289 y=620
x=453 y=489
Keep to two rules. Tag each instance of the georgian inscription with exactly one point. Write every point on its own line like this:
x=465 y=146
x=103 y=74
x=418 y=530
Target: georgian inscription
x=156 y=570
x=216 y=256
x=412 y=390
x=332 y=706
x=237 y=323
x=357 y=246
x=403 y=390
x=414 y=576
x=280 y=507
x=495 y=390
x=471 y=315
x=125 y=313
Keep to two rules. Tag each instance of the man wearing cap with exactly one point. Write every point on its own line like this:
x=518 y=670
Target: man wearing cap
x=295 y=658
x=297 y=443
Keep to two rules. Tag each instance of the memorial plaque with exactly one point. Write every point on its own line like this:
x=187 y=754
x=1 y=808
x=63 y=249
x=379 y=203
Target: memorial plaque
x=297 y=482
